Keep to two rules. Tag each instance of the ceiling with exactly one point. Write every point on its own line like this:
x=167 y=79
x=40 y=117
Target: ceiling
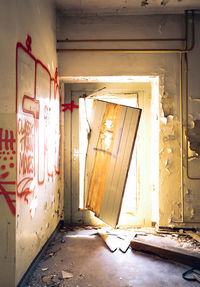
x=124 y=7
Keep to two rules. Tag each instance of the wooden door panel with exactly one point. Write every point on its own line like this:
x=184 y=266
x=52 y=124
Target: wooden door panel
x=113 y=133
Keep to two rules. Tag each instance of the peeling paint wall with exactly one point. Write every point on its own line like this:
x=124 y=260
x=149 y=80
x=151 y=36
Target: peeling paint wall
x=31 y=196
x=172 y=202
x=192 y=181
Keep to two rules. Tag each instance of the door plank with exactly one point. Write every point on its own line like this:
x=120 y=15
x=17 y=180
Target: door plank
x=102 y=158
x=114 y=191
x=114 y=172
x=95 y=127
x=110 y=163
x=131 y=137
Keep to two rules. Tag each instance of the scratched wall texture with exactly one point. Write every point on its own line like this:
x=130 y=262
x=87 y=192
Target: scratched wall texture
x=31 y=189
x=38 y=152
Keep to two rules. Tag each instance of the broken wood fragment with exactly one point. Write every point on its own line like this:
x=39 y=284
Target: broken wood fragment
x=193 y=235
x=196 y=277
x=46 y=278
x=51 y=254
x=110 y=241
x=176 y=254
x=126 y=243
x=66 y=275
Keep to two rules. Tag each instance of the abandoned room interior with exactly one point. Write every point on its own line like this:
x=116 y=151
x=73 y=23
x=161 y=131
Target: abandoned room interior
x=100 y=143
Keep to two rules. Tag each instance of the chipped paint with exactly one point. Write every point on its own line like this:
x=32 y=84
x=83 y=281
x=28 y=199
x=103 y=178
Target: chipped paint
x=192 y=213
x=23 y=236
x=167 y=104
x=194 y=136
x=171 y=183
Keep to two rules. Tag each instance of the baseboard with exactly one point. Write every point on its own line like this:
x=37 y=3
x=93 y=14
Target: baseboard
x=25 y=278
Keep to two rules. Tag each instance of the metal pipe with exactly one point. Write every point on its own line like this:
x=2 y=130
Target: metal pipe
x=181 y=136
x=188 y=222
x=186 y=29
x=181 y=111
x=185 y=39
x=120 y=40
x=181 y=118
x=187 y=125
x=137 y=51
x=187 y=100
x=142 y=51
x=193 y=33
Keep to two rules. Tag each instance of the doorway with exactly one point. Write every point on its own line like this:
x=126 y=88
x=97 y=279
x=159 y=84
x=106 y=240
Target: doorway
x=140 y=201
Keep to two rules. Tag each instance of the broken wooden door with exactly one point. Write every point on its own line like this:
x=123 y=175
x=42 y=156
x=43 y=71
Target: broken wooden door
x=113 y=133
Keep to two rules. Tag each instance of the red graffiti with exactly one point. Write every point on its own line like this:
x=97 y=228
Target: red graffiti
x=7 y=141
x=28 y=42
x=7 y=194
x=7 y=145
x=26 y=133
x=26 y=163
x=4 y=175
x=69 y=107
x=38 y=128
x=24 y=190
x=31 y=106
x=26 y=147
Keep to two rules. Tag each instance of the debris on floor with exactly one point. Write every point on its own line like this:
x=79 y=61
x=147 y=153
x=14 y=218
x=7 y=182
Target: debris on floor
x=193 y=235
x=117 y=240
x=126 y=243
x=168 y=252
x=78 y=257
x=44 y=269
x=110 y=241
x=66 y=275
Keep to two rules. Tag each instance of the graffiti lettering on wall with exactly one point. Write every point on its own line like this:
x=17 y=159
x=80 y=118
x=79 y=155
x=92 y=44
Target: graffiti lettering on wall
x=7 y=159
x=38 y=126
x=26 y=150
x=70 y=106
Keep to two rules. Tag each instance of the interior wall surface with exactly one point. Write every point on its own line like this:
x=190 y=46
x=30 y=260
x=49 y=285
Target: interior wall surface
x=174 y=197
x=30 y=211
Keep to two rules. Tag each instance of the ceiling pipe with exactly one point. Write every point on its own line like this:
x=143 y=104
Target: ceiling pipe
x=127 y=51
x=121 y=40
x=142 y=51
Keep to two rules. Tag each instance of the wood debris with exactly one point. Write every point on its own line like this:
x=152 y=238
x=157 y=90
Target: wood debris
x=196 y=277
x=126 y=243
x=193 y=235
x=177 y=254
x=110 y=241
x=46 y=278
x=66 y=275
x=51 y=254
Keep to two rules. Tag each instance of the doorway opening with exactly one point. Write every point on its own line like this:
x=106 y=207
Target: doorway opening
x=140 y=201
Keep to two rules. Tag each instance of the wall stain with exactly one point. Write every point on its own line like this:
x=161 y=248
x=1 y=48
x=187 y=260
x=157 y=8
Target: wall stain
x=167 y=105
x=194 y=137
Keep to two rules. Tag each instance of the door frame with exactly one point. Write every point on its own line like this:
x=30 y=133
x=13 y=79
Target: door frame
x=72 y=214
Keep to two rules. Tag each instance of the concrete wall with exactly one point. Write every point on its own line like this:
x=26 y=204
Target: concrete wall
x=167 y=67
x=31 y=191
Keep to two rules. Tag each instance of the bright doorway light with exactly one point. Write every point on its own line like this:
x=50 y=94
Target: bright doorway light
x=85 y=107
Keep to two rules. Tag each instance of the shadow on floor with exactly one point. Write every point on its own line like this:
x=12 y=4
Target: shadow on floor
x=87 y=262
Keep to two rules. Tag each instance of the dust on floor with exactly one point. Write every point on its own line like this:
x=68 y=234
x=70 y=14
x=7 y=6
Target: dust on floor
x=78 y=257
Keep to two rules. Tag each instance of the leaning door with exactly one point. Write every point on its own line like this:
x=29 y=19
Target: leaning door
x=111 y=142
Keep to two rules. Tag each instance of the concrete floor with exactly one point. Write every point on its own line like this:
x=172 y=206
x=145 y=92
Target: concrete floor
x=93 y=265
